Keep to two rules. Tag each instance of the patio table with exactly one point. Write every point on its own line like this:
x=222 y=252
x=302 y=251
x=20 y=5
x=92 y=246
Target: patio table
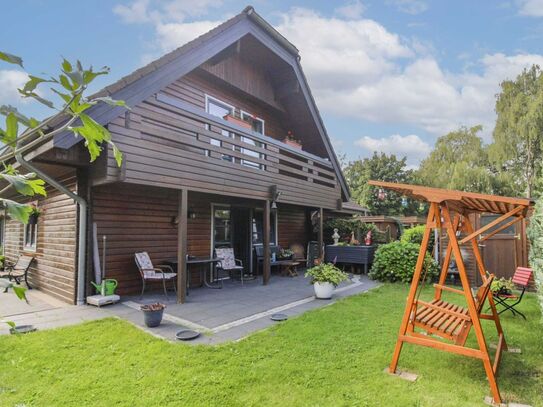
x=202 y=262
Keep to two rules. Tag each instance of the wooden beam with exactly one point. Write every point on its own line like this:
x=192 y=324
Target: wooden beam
x=502 y=227
x=266 y=267
x=492 y=224
x=321 y=233
x=182 y=246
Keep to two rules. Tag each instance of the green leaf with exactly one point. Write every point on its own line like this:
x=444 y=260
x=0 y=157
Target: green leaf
x=33 y=83
x=17 y=211
x=112 y=102
x=33 y=95
x=20 y=292
x=65 y=82
x=89 y=76
x=12 y=59
x=76 y=77
x=117 y=154
x=12 y=129
x=99 y=132
x=25 y=184
x=66 y=66
x=64 y=96
x=11 y=324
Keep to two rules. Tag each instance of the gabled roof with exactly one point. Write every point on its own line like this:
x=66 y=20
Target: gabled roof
x=144 y=82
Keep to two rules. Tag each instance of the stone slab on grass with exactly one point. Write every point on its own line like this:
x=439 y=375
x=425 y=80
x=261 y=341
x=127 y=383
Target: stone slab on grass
x=402 y=374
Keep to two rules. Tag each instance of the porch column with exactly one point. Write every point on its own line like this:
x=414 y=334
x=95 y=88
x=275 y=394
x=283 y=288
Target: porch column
x=266 y=267
x=182 y=246
x=321 y=233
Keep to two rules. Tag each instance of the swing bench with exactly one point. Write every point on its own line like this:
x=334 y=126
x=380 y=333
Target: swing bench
x=445 y=325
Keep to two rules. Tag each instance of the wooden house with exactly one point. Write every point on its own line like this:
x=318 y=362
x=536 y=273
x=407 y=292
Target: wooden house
x=221 y=131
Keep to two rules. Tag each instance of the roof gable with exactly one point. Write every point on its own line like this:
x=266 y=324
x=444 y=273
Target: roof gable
x=158 y=74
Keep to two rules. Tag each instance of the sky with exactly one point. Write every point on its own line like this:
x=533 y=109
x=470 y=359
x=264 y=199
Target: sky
x=389 y=75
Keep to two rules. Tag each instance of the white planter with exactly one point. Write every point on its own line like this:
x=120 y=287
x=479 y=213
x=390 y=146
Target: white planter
x=324 y=290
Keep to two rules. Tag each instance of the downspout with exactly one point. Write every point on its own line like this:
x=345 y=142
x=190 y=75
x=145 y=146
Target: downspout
x=82 y=240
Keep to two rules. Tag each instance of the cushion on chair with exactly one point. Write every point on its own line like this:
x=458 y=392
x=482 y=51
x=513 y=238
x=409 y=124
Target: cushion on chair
x=228 y=261
x=146 y=266
x=158 y=276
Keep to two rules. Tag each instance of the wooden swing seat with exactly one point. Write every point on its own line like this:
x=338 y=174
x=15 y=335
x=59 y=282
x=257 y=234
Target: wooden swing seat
x=448 y=320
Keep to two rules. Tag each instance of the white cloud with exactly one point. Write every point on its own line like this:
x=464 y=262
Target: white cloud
x=144 y=11
x=135 y=12
x=352 y=10
x=410 y=6
x=172 y=35
x=10 y=81
x=359 y=69
x=532 y=8
x=411 y=146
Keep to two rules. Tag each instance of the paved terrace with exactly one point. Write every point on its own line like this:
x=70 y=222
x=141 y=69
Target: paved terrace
x=230 y=313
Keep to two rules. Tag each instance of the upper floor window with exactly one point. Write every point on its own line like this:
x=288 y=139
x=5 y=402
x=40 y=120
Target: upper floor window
x=256 y=122
x=217 y=107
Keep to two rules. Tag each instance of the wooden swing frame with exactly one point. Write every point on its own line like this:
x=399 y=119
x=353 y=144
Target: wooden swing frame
x=438 y=319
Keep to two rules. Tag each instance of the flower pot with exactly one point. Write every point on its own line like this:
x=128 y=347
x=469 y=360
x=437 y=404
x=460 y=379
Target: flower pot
x=292 y=143
x=152 y=319
x=323 y=290
x=239 y=122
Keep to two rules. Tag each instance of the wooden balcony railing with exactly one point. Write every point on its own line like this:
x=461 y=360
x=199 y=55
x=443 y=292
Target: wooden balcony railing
x=202 y=133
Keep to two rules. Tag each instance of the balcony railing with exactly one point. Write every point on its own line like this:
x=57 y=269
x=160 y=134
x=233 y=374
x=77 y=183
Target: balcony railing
x=214 y=137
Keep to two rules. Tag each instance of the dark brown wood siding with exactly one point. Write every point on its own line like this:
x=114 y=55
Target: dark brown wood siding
x=292 y=225
x=54 y=271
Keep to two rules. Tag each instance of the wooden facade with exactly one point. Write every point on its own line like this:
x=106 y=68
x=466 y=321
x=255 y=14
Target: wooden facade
x=181 y=160
x=53 y=271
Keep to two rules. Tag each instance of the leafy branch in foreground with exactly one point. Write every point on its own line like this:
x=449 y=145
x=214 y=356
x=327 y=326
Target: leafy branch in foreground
x=21 y=133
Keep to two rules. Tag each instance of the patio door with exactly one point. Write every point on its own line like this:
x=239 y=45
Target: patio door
x=241 y=235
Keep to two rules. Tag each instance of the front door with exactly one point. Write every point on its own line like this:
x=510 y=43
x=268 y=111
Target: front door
x=241 y=235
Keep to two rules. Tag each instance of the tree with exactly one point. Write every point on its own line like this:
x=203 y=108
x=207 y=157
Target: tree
x=21 y=133
x=460 y=161
x=535 y=257
x=517 y=147
x=380 y=167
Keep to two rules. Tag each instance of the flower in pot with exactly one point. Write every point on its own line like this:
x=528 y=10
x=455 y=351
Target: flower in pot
x=152 y=314
x=286 y=254
x=34 y=215
x=325 y=277
x=292 y=141
x=502 y=286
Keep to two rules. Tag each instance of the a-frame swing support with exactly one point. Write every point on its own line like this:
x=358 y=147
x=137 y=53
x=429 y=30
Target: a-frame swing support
x=431 y=324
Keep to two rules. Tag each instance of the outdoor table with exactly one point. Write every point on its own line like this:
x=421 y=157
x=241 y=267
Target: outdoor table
x=202 y=262
x=286 y=266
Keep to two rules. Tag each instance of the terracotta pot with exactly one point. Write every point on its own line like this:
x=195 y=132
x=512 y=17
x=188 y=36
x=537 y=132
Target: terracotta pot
x=292 y=143
x=239 y=122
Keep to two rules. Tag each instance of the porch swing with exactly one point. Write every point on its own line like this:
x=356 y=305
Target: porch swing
x=445 y=325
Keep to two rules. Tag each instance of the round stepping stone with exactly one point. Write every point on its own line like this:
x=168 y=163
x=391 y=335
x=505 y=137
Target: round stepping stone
x=279 y=317
x=187 y=335
x=22 y=329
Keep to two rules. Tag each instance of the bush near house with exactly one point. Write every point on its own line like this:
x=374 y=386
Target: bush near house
x=414 y=235
x=396 y=262
x=535 y=257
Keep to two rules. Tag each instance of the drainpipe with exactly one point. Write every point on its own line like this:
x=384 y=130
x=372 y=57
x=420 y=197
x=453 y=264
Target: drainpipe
x=82 y=223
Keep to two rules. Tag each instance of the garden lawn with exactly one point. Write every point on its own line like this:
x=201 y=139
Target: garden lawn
x=333 y=356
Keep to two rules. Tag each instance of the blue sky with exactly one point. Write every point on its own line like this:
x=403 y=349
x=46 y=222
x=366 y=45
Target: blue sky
x=389 y=75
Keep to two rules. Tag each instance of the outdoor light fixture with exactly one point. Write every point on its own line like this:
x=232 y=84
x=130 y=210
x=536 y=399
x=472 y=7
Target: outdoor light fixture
x=275 y=194
x=191 y=213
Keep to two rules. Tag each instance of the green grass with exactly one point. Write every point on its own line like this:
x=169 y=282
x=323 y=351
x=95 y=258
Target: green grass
x=334 y=356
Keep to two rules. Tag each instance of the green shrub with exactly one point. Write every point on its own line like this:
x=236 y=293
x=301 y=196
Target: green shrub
x=415 y=234
x=396 y=262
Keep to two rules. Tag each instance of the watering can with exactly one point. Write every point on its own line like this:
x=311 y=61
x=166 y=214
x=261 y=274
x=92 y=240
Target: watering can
x=110 y=286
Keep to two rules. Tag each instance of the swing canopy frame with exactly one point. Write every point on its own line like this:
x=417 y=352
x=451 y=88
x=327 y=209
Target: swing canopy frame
x=441 y=324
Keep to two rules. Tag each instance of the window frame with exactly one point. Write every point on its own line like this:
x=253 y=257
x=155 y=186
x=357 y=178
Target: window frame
x=244 y=112
x=32 y=245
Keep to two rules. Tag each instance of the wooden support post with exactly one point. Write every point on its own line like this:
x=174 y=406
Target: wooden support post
x=432 y=213
x=182 y=246
x=446 y=260
x=266 y=267
x=321 y=233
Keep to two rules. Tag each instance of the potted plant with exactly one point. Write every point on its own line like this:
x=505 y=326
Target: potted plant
x=286 y=254
x=291 y=141
x=34 y=215
x=152 y=314
x=236 y=119
x=325 y=277
x=503 y=286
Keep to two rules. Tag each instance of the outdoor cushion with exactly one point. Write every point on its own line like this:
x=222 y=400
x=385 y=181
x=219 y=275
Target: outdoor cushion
x=145 y=264
x=159 y=276
x=228 y=261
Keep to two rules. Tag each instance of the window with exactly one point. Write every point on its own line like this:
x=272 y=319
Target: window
x=220 y=109
x=257 y=227
x=257 y=123
x=30 y=236
x=222 y=231
x=251 y=153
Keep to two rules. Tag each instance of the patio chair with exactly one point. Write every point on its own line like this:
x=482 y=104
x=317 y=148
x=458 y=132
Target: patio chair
x=19 y=269
x=521 y=279
x=228 y=262
x=151 y=273
x=299 y=252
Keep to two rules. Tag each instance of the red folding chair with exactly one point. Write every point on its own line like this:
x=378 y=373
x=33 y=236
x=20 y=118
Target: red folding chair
x=521 y=279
